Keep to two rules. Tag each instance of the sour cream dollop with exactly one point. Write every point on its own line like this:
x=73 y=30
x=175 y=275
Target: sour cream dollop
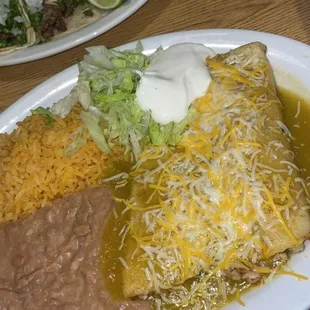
x=174 y=78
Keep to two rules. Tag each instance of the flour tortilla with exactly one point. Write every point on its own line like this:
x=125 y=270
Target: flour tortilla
x=75 y=22
x=78 y=21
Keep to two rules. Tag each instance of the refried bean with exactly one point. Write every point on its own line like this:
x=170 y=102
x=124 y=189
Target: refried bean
x=50 y=260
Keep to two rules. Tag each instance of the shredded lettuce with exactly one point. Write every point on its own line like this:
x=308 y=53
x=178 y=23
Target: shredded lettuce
x=78 y=142
x=64 y=106
x=171 y=133
x=126 y=121
x=42 y=111
x=106 y=89
x=178 y=128
x=91 y=121
x=83 y=94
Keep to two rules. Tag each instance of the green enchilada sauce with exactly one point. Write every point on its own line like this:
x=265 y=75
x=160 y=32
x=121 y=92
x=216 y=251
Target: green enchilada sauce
x=12 y=26
x=299 y=126
x=296 y=114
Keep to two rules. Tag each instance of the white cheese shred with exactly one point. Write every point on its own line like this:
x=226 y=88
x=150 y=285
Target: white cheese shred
x=298 y=109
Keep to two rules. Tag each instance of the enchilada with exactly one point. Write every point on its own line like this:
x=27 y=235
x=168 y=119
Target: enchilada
x=214 y=215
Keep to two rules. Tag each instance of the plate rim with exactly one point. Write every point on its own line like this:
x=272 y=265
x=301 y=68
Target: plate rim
x=75 y=38
x=218 y=31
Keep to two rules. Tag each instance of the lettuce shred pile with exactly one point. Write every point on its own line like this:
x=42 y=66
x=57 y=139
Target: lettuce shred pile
x=106 y=89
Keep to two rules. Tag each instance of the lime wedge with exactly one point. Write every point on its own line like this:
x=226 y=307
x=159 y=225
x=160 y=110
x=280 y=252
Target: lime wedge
x=106 y=4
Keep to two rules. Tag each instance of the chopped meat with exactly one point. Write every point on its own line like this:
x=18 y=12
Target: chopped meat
x=233 y=274
x=243 y=273
x=46 y=31
x=53 y=18
x=297 y=249
x=251 y=277
x=6 y=36
x=88 y=13
x=53 y=11
x=69 y=9
x=280 y=257
x=50 y=260
x=60 y=25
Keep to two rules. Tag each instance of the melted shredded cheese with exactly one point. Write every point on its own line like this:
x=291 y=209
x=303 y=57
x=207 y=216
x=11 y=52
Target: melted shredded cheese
x=220 y=197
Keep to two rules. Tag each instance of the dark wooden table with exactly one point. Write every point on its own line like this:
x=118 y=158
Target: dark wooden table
x=290 y=18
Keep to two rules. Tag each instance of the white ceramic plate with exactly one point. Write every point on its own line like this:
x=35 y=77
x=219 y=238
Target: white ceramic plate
x=291 y=62
x=110 y=20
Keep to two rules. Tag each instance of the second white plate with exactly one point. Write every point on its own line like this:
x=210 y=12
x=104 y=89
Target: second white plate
x=108 y=21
